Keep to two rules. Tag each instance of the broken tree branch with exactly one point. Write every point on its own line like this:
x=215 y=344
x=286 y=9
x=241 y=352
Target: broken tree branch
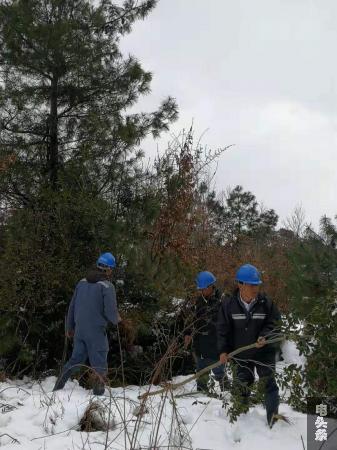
x=173 y=386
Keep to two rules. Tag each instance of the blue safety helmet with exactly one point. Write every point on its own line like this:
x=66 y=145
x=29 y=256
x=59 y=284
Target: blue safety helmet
x=106 y=260
x=248 y=274
x=204 y=280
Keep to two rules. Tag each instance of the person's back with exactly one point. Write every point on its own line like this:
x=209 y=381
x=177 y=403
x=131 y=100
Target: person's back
x=93 y=305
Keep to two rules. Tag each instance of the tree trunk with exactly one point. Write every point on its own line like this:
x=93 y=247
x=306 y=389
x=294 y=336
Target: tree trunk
x=53 y=156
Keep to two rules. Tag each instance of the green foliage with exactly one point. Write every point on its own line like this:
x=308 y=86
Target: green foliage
x=317 y=341
x=313 y=272
x=38 y=274
x=71 y=184
x=243 y=216
x=238 y=405
x=64 y=90
x=312 y=286
x=292 y=380
x=240 y=215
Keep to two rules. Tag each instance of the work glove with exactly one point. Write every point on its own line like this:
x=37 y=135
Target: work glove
x=224 y=358
x=261 y=342
x=187 y=340
x=70 y=334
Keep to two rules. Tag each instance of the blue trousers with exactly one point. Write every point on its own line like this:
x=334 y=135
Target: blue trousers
x=265 y=367
x=87 y=349
x=84 y=349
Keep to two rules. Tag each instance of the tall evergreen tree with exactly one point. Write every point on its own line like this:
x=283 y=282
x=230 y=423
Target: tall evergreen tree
x=69 y=152
x=65 y=90
x=312 y=289
x=239 y=214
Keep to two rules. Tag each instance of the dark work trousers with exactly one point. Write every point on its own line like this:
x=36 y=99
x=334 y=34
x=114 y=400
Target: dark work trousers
x=264 y=363
x=86 y=348
x=218 y=372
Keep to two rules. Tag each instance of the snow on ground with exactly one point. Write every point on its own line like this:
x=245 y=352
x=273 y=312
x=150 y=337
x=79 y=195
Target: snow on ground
x=42 y=420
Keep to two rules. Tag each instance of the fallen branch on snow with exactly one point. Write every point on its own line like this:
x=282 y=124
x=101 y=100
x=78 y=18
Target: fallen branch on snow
x=14 y=441
x=173 y=386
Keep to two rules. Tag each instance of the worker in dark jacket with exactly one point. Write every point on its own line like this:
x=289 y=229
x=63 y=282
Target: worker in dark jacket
x=203 y=329
x=245 y=318
x=93 y=305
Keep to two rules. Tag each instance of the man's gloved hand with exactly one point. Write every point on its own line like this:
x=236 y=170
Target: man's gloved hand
x=187 y=340
x=127 y=331
x=224 y=358
x=70 y=334
x=261 y=342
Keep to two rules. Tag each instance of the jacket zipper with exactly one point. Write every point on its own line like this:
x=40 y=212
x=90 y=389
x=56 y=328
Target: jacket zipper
x=248 y=313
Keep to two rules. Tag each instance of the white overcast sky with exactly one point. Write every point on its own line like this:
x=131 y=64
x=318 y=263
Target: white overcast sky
x=260 y=74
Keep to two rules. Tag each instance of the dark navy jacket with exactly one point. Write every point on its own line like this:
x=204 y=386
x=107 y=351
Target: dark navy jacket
x=238 y=327
x=205 y=321
x=93 y=305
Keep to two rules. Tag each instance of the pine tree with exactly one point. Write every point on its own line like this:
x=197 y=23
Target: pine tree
x=239 y=215
x=64 y=92
x=242 y=215
x=312 y=288
x=69 y=153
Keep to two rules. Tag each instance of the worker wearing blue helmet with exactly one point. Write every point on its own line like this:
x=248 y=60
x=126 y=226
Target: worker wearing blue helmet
x=93 y=305
x=203 y=329
x=245 y=318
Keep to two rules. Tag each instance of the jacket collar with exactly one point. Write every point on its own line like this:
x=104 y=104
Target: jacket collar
x=95 y=275
x=216 y=296
x=260 y=299
x=250 y=305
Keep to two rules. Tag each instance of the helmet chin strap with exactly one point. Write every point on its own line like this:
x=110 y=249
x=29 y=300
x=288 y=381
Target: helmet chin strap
x=205 y=298
x=105 y=269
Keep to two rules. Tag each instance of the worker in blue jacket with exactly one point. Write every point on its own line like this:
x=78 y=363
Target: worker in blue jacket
x=92 y=307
